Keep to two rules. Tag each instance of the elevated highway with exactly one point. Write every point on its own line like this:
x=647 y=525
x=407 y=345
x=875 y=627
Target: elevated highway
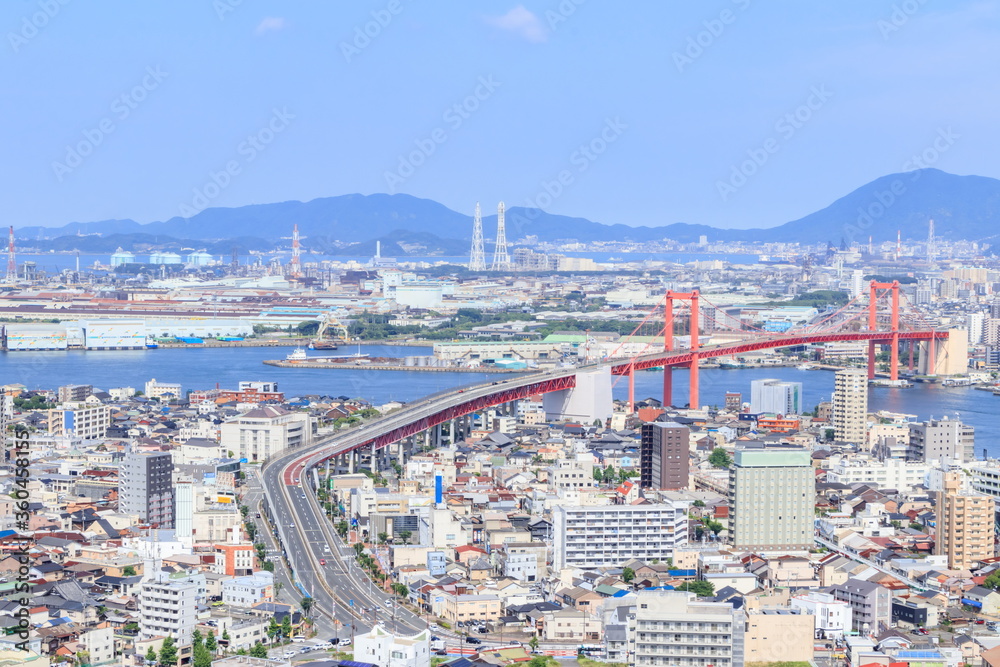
x=307 y=535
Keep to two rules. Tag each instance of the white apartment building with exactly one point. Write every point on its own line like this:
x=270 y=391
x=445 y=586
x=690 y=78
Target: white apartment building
x=265 y=431
x=100 y=644
x=609 y=535
x=675 y=628
x=381 y=647
x=155 y=389
x=833 y=616
x=249 y=590
x=167 y=607
x=568 y=474
x=80 y=420
x=888 y=474
x=941 y=440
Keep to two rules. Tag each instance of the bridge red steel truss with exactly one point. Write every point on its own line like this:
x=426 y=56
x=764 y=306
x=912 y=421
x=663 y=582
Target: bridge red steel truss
x=687 y=358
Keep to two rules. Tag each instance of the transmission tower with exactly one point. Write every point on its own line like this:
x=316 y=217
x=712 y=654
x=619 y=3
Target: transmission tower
x=11 y=262
x=477 y=259
x=501 y=259
x=930 y=243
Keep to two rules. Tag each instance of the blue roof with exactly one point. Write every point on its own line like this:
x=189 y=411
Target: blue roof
x=971 y=603
x=7 y=533
x=682 y=573
x=918 y=654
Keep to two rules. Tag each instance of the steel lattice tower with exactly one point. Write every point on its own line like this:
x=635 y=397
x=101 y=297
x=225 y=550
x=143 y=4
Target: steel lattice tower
x=11 y=262
x=501 y=258
x=477 y=258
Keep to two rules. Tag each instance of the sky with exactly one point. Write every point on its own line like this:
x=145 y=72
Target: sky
x=732 y=113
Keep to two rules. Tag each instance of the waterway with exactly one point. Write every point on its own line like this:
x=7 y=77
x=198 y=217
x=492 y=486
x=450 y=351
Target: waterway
x=200 y=368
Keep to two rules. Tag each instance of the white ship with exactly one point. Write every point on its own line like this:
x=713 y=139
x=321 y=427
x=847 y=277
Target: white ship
x=298 y=354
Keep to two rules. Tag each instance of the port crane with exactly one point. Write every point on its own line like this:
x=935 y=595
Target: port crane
x=327 y=322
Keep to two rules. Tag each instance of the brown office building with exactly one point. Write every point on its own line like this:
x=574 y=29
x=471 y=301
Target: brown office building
x=663 y=456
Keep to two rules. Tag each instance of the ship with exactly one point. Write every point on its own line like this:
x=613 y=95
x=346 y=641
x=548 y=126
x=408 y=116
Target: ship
x=322 y=345
x=730 y=364
x=298 y=354
x=805 y=367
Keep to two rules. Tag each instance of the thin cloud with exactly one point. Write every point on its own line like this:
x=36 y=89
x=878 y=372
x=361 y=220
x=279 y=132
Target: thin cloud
x=269 y=24
x=521 y=22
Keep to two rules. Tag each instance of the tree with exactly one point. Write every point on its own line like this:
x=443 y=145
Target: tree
x=258 y=650
x=268 y=566
x=286 y=626
x=993 y=581
x=533 y=643
x=168 y=653
x=211 y=644
x=383 y=538
x=306 y=603
x=699 y=587
x=128 y=571
x=273 y=628
x=628 y=574
x=699 y=503
x=342 y=528
x=151 y=656
x=405 y=536
x=201 y=656
x=196 y=637
x=82 y=658
x=720 y=458
x=598 y=474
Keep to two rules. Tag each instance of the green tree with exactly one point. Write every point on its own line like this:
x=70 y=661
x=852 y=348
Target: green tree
x=720 y=458
x=383 y=538
x=598 y=474
x=699 y=503
x=196 y=637
x=342 y=528
x=533 y=643
x=128 y=571
x=699 y=587
x=628 y=574
x=211 y=644
x=151 y=656
x=307 y=604
x=273 y=628
x=286 y=626
x=201 y=656
x=405 y=536
x=258 y=650
x=268 y=566
x=993 y=581
x=168 y=653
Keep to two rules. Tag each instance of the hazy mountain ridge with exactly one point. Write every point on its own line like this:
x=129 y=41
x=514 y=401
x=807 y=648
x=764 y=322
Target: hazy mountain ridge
x=963 y=207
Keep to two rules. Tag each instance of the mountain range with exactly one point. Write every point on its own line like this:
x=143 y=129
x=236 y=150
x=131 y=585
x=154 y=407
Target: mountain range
x=963 y=208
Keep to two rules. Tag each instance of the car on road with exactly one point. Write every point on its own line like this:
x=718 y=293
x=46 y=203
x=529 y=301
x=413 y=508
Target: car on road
x=346 y=641
x=299 y=638
x=440 y=651
x=258 y=515
x=473 y=640
x=482 y=629
x=322 y=561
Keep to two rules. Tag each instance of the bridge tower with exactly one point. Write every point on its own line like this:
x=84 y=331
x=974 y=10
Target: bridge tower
x=668 y=346
x=873 y=288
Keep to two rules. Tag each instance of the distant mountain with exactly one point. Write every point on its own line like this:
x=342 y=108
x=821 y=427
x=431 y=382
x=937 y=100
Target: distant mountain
x=963 y=207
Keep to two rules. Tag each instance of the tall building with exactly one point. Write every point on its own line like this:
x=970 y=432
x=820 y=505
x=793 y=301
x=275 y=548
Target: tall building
x=609 y=535
x=734 y=401
x=168 y=608
x=783 y=398
x=942 y=439
x=771 y=495
x=675 y=628
x=664 y=456
x=850 y=405
x=264 y=431
x=145 y=487
x=74 y=393
x=80 y=420
x=964 y=524
x=976 y=324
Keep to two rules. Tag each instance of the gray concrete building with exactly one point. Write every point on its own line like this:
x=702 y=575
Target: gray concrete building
x=146 y=488
x=771 y=494
x=675 y=628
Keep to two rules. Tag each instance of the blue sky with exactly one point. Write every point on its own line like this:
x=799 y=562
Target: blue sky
x=634 y=113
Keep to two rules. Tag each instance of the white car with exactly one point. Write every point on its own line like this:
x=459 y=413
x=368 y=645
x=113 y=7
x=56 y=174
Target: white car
x=346 y=641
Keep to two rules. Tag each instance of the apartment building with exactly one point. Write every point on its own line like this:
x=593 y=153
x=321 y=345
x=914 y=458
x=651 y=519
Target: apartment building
x=265 y=431
x=168 y=607
x=779 y=635
x=675 y=628
x=871 y=604
x=888 y=474
x=146 y=487
x=249 y=590
x=380 y=647
x=832 y=617
x=771 y=495
x=609 y=535
x=162 y=390
x=235 y=560
x=775 y=396
x=80 y=420
x=942 y=439
x=965 y=521
x=568 y=474
x=850 y=405
x=664 y=456
x=74 y=393
x=455 y=607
